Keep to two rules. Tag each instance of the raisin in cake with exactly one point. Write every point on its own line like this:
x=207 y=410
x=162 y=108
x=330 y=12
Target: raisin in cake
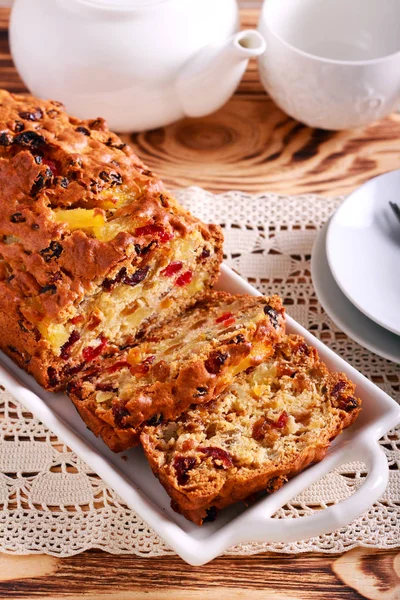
x=92 y=247
x=267 y=426
x=187 y=361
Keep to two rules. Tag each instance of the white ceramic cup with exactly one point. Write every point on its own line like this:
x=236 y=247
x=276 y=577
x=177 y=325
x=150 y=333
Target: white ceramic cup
x=333 y=64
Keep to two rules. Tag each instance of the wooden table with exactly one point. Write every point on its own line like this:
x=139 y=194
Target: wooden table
x=249 y=145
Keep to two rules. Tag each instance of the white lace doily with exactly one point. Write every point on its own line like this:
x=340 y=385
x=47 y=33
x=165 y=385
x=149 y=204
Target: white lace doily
x=51 y=502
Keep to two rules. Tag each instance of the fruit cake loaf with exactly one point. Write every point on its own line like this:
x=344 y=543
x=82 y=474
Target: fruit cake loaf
x=267 y=426
x=187 y=361
x=92 y=247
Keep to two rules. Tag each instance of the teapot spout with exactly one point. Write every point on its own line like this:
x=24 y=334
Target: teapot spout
x=210 y=78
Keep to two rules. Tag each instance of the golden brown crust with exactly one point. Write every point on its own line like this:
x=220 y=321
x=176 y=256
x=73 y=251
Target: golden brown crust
x=54 y=168
x=116 y=438
x=266 y=427
x=187 y=361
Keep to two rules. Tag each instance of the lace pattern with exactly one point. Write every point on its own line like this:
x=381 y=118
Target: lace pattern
x=50 y=500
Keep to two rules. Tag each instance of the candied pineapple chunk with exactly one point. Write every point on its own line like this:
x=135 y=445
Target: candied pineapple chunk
x=140 y=315
x=103 y=397
x=80 y=218
x=105 y=232
x=135 y=356
x=55 y=334
x=249 y=360
x=115 y=198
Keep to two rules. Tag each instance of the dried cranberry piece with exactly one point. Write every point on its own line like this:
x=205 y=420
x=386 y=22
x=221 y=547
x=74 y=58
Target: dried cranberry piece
x=172 y=269
x=155 y=230
x=221 y=458
x=40 y=182
x=184 y=279
x=348 y=404
x=17 y=218
x=111 y=177
x=282 y=420
x=115 y=144
x=120 y=364
x=182 y=465
x=5 y=139
x=74 y=388
x=19 y=126
x=52 y=375
x=230 y=322
x=97 y=124
x=36 y=334
x=51 y=165
x=338 y=388
x=22 y=326
x=108 y=284
x=165 y=236
x=65 y=349
x=53 y=251
x=274 y=484
x=136 y=277
x=77 y=319
x=224 y=317
x=83 y=130
x=29 y=139
x=31 y=115
x=239 y=339
x=143 y=250
x=70 y=371
x=48 y=288
x=26 y=357
x=163 y=200
x=144 y=367
x=64 y=182
x=105 y=387
x=211 y=514
x=201 y=391
x=155 y=420
x=263 y=425
x=301 y=349
x=91 y=353
x=119 y=413
x=272 y=314
x=215 y=362
x=94 y=322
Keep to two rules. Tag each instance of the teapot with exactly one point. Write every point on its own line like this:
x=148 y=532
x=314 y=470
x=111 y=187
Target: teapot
x=141 y=64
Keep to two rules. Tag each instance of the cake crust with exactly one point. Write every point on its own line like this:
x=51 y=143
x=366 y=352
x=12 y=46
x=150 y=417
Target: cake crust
x=86 y=231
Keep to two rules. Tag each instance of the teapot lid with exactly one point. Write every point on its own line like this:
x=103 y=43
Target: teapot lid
x=120 y=4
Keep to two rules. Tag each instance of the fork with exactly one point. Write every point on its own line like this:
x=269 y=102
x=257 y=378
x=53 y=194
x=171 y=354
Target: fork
x=396 y=209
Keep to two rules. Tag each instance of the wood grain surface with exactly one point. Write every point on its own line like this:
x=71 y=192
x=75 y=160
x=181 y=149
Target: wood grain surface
x=94 y=575
x=252 y=145
x=249 y=145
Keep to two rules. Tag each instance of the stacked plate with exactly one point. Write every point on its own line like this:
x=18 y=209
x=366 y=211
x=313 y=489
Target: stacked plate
x=356 y=266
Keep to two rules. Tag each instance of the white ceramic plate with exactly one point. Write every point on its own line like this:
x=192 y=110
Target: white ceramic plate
x=363 y=249
x=133 y=481
x=342 y=312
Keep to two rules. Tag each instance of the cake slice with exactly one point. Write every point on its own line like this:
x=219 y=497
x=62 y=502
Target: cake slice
x=185 y=362
x=269 y=424
x=93 y=249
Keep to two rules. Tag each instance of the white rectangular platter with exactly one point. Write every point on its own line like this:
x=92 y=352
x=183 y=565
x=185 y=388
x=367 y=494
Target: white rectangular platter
x=133 y=480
